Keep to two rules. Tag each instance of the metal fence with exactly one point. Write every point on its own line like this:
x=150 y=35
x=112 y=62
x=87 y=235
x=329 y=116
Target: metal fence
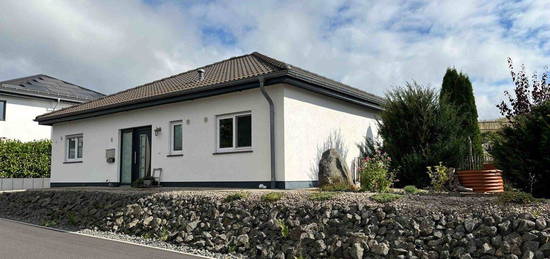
x=10 y=184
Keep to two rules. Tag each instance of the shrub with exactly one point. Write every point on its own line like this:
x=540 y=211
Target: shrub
x=336 y=186
x=138 y=183
x=283 y=227
x=321 y=196
x=529 y=92
x=419 y=131
x=411 y=189
x=457 y=90
x=520 y=150
x=236 y=196
x=515 y=197
x=25 y=159
x=375 y=172
x=439 y=176
x=272 y=196
x=385 y=197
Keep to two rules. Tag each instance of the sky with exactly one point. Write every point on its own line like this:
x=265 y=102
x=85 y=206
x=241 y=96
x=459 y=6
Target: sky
x=376 y=46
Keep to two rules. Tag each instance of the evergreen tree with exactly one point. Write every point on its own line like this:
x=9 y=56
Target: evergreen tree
x=419 y=131
x=457 y=90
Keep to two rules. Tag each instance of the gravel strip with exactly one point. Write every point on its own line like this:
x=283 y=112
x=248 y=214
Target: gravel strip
x=156 y=243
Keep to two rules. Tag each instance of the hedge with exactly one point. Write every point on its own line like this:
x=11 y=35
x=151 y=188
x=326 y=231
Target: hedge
x=25 y=159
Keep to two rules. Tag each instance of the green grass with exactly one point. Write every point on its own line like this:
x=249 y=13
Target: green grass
x=336 y=187
x=72 y=218
x=236 y=196
x=272 y=196
x=164 y=234
x=321 y=196
x=385 y=197
x=49 y=223
x=516 y=197
x=411 y=189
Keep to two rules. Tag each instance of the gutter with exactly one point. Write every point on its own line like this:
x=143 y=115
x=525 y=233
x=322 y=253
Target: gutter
x=271 y=130
x=40 y=96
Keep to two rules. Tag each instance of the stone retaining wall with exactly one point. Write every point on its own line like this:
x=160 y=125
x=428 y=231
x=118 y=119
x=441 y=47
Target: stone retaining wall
x=294 y=227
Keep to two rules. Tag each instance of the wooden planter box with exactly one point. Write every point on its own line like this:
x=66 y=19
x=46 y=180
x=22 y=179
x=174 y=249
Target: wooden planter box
x=482 y=180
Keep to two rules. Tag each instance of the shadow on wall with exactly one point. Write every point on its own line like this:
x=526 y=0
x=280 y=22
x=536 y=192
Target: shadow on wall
x=334 y=140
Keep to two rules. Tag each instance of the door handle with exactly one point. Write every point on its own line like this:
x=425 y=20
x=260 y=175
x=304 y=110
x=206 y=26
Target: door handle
x=135 y=157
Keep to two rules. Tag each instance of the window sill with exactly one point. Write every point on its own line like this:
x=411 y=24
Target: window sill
x=174 y=155
x=72 y=162
x=232 y=152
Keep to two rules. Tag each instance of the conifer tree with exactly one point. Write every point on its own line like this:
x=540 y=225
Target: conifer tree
x=457 y=90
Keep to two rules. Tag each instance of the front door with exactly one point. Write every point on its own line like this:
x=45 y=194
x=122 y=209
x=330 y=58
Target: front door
x=135 y=155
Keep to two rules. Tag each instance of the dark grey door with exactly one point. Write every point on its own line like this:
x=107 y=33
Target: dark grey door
x=135 y=155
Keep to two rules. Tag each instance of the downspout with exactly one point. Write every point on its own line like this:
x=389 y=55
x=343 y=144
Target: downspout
x=271 y=129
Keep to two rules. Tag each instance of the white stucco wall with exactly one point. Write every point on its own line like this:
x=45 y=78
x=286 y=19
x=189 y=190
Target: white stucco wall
x=20 y=114
x=198 y=162
x=304 y=121
x=310 y=120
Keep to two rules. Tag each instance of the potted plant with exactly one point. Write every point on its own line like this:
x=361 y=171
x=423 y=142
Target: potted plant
x=148 y=181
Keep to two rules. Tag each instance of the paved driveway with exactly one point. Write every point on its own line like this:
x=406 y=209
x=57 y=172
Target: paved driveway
x=23 y=241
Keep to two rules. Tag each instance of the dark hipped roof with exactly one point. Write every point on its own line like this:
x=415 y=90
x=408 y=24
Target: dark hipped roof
x=224 y=75
x=44 y=86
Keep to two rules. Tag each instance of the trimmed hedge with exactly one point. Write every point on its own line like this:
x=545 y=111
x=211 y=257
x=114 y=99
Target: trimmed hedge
x=25 y=159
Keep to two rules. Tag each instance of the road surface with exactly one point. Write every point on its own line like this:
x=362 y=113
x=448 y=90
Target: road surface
x=20 y=241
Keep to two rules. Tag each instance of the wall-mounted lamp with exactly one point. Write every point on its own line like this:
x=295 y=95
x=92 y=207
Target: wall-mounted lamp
x=157 y=131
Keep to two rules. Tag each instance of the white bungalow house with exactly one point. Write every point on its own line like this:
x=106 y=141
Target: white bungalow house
x=22 y=99
x=242 y=122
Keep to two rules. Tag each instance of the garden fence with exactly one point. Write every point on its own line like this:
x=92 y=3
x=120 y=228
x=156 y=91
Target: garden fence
x=12 y=184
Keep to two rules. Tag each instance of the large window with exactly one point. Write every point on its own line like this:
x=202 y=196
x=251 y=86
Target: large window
x=176 y=137
x=2 y=110
x=234 y=132
x=75 y=145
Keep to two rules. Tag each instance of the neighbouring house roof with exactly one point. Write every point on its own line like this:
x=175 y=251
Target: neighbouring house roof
x=492 y=125
x=44 y=86
x=234 y=74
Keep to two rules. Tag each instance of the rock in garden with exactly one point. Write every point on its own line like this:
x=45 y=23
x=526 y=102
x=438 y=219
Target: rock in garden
x=147 y=221
x=469 y=225
x=243 y=240
x=525 y=225
x=381 y=249
x=357 y=251
x=333 y=169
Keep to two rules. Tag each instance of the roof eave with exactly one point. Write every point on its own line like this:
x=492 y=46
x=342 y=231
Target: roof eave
x=41 y=96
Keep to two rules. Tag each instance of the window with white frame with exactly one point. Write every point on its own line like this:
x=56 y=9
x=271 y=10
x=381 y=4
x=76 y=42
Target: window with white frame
x=176 y=137
x=234 y=132
x=75 y=145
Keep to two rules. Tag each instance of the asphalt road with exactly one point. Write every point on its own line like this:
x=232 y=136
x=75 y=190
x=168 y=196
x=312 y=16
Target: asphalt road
x=23 y=241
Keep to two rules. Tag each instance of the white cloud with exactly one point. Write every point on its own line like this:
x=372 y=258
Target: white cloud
x=373 y=45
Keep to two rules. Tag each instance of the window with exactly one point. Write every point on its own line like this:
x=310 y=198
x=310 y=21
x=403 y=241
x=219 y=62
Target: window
x=234 y=132
x=2 y=110
x=176 y=137
x=75 y=144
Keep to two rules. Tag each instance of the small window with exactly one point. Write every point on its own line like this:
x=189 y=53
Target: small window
x=75 y=145
x=234 y=132
x=176 y=137
x=2 y=110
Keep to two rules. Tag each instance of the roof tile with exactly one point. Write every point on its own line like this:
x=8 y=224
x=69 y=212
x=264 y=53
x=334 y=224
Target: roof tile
x=233 y=69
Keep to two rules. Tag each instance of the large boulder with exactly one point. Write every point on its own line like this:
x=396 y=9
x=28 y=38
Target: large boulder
x=333 y=169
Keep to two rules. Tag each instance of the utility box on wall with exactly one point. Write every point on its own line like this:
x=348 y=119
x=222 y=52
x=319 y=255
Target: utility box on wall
x=110 y=155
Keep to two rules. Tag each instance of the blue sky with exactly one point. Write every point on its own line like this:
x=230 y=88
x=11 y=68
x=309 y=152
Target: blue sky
x=372 y=45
